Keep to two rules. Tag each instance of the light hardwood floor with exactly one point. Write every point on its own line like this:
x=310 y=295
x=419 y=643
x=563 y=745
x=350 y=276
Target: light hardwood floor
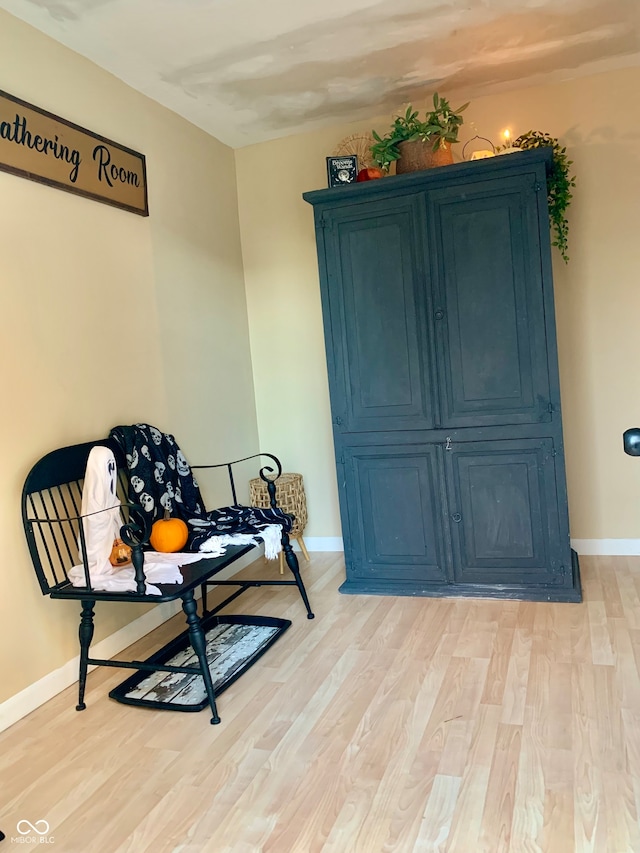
x=387 y=725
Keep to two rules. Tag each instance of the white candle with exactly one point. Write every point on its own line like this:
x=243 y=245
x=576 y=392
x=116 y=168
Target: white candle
x=509 y=148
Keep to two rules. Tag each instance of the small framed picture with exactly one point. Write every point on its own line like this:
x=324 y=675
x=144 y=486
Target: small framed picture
x=342 y=170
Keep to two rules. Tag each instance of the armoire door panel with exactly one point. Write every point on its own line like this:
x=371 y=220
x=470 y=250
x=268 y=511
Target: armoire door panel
x=491 y=332
x=377 y=305
x=394 y=495
x=504 y=513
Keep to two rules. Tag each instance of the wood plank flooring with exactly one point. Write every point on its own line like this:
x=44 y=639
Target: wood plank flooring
x=386 y=725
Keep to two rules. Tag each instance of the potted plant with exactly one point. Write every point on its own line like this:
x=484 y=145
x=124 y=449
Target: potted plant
x=559 y=185
x=414 y=143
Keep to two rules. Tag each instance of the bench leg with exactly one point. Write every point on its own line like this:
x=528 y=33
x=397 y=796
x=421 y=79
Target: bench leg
x=292 y=562
x=199 y=645
x=85 y=634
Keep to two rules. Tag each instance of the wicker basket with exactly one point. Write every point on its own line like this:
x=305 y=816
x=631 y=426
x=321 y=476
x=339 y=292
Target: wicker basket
x=290 y=498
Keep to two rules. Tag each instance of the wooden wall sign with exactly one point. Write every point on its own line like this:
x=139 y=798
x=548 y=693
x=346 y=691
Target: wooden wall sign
x=43 y=147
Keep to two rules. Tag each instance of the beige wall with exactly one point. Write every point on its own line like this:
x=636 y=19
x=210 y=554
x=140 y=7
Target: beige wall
x=109 y=318
x=597 y=295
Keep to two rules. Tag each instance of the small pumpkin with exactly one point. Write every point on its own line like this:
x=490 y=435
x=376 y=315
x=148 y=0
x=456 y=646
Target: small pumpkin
x=120 y=554
x=168 y=534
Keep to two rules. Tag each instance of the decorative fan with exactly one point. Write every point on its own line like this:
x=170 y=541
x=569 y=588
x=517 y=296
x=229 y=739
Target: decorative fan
x=358 y=144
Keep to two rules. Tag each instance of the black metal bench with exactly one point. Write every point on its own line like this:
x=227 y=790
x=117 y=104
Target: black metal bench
x=51 y=501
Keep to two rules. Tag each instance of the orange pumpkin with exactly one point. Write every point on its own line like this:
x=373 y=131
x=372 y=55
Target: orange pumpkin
x=168 y=534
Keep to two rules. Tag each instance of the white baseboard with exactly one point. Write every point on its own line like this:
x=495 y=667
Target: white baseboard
x=322 y=543
x=588 y=547
x=55 y=682
x=36 y=694
x=607 y=547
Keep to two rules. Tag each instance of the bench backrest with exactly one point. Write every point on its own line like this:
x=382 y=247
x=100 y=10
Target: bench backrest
x=52 y=501
x=51 y=505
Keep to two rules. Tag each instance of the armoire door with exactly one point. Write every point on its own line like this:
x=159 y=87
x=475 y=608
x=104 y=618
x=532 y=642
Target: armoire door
x=489 y=310
x=504 y=515
x=394 y=496
x=375 y=312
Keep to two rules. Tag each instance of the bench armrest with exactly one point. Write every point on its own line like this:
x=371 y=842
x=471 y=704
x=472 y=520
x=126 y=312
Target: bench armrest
x=270 y=481
x=135 y=532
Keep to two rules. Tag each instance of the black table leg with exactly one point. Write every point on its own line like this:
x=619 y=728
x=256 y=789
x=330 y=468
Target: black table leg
x=85 y=634
x=199 y=645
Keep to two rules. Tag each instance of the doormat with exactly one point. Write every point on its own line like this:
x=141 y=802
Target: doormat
x=234 y=643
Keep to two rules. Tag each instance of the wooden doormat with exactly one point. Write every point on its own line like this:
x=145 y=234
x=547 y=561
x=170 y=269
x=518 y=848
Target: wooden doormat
x=234 y=643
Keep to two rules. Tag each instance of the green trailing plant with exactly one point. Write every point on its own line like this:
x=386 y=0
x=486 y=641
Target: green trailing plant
x=559 y=185
x=439 y=126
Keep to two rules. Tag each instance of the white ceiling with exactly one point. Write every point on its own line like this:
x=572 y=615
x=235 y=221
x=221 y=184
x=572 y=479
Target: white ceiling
x=250 y=70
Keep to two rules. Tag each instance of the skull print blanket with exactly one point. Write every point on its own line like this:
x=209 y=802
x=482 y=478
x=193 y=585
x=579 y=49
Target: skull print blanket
x=160 y=478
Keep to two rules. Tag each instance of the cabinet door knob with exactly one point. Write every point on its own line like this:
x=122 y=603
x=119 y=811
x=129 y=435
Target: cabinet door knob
x=456 y=517
x=439 y=314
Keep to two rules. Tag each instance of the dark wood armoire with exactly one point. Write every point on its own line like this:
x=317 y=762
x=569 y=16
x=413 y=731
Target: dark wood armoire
x=437 y=297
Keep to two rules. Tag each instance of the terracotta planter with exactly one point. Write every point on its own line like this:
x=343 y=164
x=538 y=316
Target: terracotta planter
x=420 y=155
